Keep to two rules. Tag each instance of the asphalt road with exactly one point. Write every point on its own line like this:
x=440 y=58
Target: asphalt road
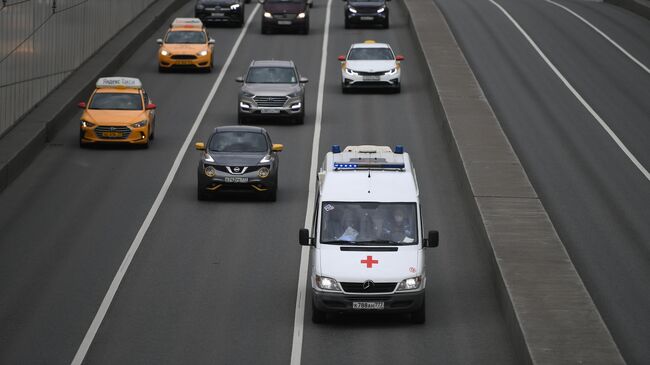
x=215 y=282
x=596 y=197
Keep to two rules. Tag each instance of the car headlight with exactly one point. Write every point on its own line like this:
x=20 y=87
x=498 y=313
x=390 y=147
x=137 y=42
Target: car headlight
x=381 y=10
x=267 y=15
x=244 y=105
x=350 y=72
x=210 y=171
x=392 y=71
x=296 y=106
x=164 y=52
x=140 y=124
x=234 y=6
x=202 y=53
x=266 y=159
x=326 y=283
x=301 y=16
x=410 y=283
x=352 y=10
x=200 y=6
x=207 y=157
x=263 y=172
x=86 y=124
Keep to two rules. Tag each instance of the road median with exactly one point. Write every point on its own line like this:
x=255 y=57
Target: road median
x=551 y=316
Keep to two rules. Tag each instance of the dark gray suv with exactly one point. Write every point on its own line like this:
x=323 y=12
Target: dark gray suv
x=272 y=90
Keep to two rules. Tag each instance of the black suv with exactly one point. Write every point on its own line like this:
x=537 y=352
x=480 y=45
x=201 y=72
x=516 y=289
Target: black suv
x=366 y=12
x=220 y=11
x=285 y=15
x=238 y=159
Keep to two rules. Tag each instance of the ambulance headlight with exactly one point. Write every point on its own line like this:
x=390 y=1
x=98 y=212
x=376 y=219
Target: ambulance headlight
x=326 y=283
x=410 y=284
x=164 y=52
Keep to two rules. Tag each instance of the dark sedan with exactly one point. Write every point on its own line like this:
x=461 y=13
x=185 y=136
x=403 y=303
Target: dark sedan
x=220 y=11
x=366 y=12
x=279 y=15
x=238 y=159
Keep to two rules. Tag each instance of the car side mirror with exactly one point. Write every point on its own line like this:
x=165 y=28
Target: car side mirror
x=159 y=41
x=432 y=239
x=199 y=146
x=239 y=79
x=277 y=147
x=303 y=237
x=211 y=41
x=151 y=106
x=399 y=58
x=81 y=105
x=342 y=58
x=304 y=80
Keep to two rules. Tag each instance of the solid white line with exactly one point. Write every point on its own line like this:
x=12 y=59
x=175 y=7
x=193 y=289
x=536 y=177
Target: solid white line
x=577 y=95
x=117 y=280
x=644 y=67
x=301 y=294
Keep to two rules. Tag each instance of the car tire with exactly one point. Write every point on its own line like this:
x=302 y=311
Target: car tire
x=271 y=195
x=398 y=89
x=305 y=28
x=317 y=316
x=241 y=120
x=265 y=29
x=201 y=194
x=162 y=69
x=386 y=24
x=420 y=315
x=344 y=89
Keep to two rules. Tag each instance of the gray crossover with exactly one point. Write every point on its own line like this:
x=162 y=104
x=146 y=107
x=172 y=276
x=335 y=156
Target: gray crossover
x=272 y=90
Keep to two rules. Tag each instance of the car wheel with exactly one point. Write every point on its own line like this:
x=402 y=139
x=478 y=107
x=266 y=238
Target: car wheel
x=344 y=89
x=265 y=29
x=386 y=24
x=241 y=119
x=317 y=315
x=201 y=194
x=398 y=89
x=420 y=315
x=305 y=29
x=162 y=69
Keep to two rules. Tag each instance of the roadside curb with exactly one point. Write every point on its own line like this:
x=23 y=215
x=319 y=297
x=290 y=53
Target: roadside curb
x=20 y=145
x=550 y=315
x=639 y=7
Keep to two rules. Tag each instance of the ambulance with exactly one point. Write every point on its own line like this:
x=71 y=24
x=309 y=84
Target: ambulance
x=367 y=243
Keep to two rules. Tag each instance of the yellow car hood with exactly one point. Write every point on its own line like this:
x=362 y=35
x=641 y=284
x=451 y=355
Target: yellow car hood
x=185 y=48
x=114 y=117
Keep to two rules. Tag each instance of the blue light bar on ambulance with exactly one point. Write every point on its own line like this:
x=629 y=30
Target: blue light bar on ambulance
x=368 y=165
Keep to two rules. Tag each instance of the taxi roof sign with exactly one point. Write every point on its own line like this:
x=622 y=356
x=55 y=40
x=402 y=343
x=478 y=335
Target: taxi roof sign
x=119 y=82
x=369 y=41
x=189 y=23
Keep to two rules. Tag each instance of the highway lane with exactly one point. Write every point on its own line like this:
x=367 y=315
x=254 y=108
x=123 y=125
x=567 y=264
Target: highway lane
x=216 y=281
x=596 y=198
x=68 y=220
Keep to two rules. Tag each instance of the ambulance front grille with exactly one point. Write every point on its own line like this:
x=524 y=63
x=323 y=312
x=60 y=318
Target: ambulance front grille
x=376 y=288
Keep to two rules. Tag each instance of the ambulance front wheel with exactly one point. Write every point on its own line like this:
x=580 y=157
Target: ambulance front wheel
x=420 y=315
x=317 y=315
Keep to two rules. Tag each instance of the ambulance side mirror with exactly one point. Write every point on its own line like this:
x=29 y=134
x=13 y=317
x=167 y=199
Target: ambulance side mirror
x=303 y=237
x=239 y=79
x=432 y=240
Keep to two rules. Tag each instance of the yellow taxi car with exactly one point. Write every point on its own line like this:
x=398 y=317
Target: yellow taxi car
x=186 y=45
x=118 y=111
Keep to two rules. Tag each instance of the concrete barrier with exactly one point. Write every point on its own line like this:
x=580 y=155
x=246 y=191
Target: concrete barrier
x=549 y=311
x=20 y=145
x=640 y=7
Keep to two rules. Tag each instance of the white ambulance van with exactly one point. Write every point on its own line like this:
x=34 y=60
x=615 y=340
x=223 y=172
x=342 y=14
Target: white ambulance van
x=367 y=247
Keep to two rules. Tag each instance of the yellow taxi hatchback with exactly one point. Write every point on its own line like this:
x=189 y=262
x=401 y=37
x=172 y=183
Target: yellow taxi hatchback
x=118 y=111
x=186 y=45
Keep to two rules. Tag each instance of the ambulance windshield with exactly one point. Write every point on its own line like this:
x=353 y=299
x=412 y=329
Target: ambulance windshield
x=368 y=223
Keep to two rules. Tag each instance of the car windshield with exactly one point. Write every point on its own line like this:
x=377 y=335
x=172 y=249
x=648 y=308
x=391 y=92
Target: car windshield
x=370 y=54
x=365 y=223
x=185 y=37
x=116 y=101
x=238 y=142
x=271 y=75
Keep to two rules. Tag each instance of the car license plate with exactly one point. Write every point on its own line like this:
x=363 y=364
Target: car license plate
x=366 y=18
x=270 y=111
x=284 y=22
x=217 y=14
x=112 y=134
x=371 y=78
x=236 y=179
x=183 y=62
x=368 y=305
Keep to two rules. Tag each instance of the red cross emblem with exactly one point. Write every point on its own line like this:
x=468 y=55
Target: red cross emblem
x=369 y=261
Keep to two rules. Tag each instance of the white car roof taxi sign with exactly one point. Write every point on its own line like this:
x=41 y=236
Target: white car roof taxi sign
x=119 y=82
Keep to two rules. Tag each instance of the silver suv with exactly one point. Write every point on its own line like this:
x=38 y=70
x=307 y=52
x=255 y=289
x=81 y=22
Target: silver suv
x=272 y=90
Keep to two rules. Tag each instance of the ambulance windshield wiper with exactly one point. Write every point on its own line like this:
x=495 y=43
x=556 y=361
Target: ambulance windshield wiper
x=377 y=242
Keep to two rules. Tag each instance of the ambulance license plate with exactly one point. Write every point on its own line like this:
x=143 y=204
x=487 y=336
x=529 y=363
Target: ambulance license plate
x=270 y=111
x=284 y=22
x=366 y=18
x=368 y=305
x=236 y=179
x=217 y=14
x=371 y=78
